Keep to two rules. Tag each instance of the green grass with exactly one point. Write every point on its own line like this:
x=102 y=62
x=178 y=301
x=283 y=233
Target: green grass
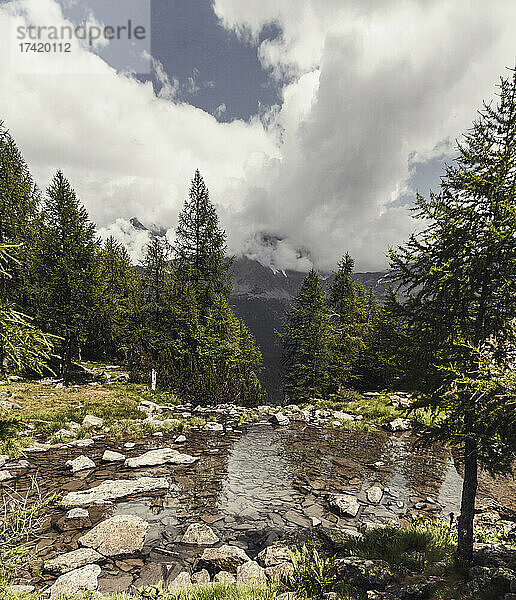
x=313 y=574
x=374 y=409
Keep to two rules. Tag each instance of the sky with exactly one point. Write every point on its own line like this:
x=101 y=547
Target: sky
x=313 y=122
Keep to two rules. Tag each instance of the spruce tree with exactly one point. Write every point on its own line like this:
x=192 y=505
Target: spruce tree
x=64 y=269
x=18 y=207
x=460 y=280
x=200 y=245
x=307 y=342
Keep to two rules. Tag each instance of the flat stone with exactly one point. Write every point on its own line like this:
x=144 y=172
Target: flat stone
x=110 y=456
x=110 y=490
x=115 y=584
x=212 y=426
x=84 y=443
x=77 y=513
x=224 y=577
x=129 y=445
x=226 y=557
x=200 y=534
x=116 y=536
x=297 y=518
x=201 y=577
x=346 y=504
x=374 y=494
x=72 y=560
x=92 y=421
x=160 y=457
x=80 y=463
x=251 y=572
x=68 y=584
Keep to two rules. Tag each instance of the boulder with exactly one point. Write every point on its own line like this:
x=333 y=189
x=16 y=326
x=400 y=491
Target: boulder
x=81 y=463
x=160 y=457
x=92 y=421
x=224 y=577
x=346 y=504
x=72 y=560
x=181 y=581
x=180 y=439
x=201 y=577
x=212 y=426
x=110 y=490
x=200 y=534
x=226 y=557
x=251 y=572
x=110 y=456
x=274 y=555
x=364 y=573
x=343 y=416
x=374 y=494
x=85 y=578
x=398 y=424
x=5 y=476
x=279 y=419
x=280 y=573
x=116 y=536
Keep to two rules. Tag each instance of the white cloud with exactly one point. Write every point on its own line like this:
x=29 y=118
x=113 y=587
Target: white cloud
x=368 y=85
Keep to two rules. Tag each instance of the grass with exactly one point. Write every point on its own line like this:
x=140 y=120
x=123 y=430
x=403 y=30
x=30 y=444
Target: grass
x=313 y=575
x=374 y=409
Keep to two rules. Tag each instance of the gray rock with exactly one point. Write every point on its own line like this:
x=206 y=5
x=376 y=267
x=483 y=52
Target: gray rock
x=116 y=584
x=212 y=426
x=72 y=560
x=129 y=445
x=224 y=577
x=181 y=581
x=110 y=456
x=343 y=416
x=280 y=573
x=116 y=536
x=160 y=457
x=226 y=557
x=21 y=589
x=274 y=555
x=360 y=572
x=279 y=419
x=374 y=494
x=346 y=504
x=80 y=463
x=201 y=577
x=85 y=578
x=92 y=421
x=398 y=424
x=251 y=572
x=5 y=476
x=110 y=490
x=3 y=459
x=84 y=443
x=180 y=439
x=200 y=534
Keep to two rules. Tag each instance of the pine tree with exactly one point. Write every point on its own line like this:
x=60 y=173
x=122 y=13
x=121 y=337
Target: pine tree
x=64 y=268
x=307 y=342
x=460 y=279
x=18 y=207
x=200 y=245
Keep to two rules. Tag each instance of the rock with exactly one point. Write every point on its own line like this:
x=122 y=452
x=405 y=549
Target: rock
x=3 y=459
x=118 y=535
x=5 y=476
x=80 y=463
x=346 y=504
x=181 y=581
x=360 y=572
x=110 y=456
x=110 y=490
x=297 y=518
x=14 y=378
x=279 y=419
x=201 y=577
x=200 y=534
x=226 y=557
x=77 y=518
x=160 y=457
x=487 y=579
x=180 y=439
x=251 y=572
x=72 y=560
x=92 y=421
x=343 y=416
x=398 y=424
x=212 y=426
x=224 y=577
x=280 y=573
x=129 y=445
x=374 y=494
x=84 y=443
x=493 y=555
x=74 y=581
x=116 y=584
x=21 y=589
x=274 y=555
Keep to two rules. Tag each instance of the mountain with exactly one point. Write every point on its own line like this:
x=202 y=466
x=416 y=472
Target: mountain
x=261 y=296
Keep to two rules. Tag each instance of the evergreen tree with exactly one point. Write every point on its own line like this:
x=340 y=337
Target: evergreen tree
x=200 y=245
x=307 y=342
x=18 y=207
x=64 y=268
x=460 y=281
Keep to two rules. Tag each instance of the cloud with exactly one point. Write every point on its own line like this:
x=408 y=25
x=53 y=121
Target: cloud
x=373 y=95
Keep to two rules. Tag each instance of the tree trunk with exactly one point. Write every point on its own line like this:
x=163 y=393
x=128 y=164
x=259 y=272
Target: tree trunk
x=467 y=508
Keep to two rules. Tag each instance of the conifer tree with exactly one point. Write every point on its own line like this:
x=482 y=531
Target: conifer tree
x=460 y=281
x=64 y=268
x=200 y=245
x=18 y=207
x=307 y=342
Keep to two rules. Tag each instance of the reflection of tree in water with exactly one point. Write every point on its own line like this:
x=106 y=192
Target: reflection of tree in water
x=331 y=459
